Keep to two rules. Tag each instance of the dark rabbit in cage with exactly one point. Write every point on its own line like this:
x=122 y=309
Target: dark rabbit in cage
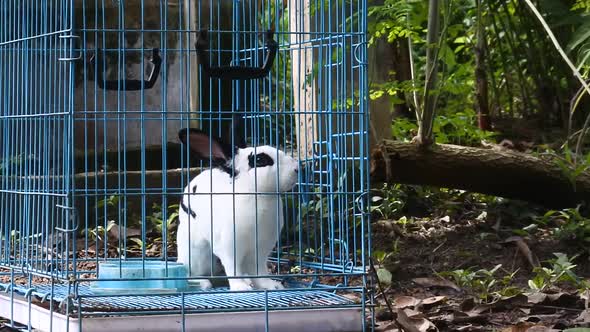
x=233 y=210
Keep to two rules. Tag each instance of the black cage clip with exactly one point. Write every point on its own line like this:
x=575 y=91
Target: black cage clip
x=128 y=85
x=235 y=72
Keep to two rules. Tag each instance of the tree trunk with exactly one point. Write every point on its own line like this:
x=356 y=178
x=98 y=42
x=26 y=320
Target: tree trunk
x=381 y=63
x=304 y=84
x=501 y=173
x=402 y=70
x=481 y=80
x=426 y=122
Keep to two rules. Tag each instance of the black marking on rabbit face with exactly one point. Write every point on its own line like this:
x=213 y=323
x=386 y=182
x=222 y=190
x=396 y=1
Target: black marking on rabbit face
x=227 y=168
x=195 y=189
x=187 y=210
x=260 y=160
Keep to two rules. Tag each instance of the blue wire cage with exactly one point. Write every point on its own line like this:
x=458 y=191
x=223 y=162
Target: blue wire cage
x=93 y=94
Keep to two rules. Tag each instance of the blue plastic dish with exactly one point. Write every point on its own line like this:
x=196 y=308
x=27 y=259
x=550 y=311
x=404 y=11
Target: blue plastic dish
x=126 y=270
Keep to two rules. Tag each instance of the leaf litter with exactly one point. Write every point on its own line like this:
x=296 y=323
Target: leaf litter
x=424 y=300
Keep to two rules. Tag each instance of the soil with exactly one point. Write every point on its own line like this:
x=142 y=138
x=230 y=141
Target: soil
x=428 y=246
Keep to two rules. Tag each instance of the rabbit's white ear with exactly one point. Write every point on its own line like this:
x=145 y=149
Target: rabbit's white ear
x=205 y=145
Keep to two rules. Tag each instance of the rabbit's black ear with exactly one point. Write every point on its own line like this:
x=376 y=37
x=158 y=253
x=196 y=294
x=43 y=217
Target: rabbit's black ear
x=237 y=130
x=206 y=146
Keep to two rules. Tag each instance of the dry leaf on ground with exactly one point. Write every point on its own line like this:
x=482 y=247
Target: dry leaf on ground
x=540 y=328
x=411 y=324
x=584 y=317
x=436 y=282
x=520 y=327
x=402 y=302
x=525 y=250
x=430 y=301
x=390 y=327
x=536 y=297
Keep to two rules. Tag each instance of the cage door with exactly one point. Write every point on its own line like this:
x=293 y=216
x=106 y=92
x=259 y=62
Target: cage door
x=37 y=55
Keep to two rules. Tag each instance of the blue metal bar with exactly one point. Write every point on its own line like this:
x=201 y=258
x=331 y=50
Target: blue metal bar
x=39 y=36
x=71 y=126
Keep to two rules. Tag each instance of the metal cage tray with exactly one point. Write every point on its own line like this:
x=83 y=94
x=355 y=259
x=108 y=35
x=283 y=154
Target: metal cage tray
x=217 y=299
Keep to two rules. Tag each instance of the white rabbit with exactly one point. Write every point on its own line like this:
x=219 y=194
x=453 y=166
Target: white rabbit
x=214 y=210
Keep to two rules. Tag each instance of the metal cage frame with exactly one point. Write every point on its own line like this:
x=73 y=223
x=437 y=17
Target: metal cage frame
x=92 y=94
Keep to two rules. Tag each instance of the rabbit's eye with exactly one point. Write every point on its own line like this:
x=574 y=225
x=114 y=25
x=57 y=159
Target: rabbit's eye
x=260 y=160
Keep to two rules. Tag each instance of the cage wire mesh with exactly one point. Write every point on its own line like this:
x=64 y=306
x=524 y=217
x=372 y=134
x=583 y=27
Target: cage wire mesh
x=93 y=96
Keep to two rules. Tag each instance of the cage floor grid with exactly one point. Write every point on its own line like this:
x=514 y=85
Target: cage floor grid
x=217 y=299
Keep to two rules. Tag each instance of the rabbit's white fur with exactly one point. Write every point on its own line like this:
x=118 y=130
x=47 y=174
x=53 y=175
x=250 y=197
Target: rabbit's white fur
x=256 y=223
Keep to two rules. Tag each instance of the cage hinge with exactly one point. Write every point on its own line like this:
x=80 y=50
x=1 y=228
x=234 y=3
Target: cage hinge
x=359 y=56
x=67 y=302
x=8 y=288
x=29 y=293
x=71 y=48
x=361 y=204
x=73 y=218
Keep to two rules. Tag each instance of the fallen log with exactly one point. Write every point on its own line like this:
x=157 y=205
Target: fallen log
x=498 y=172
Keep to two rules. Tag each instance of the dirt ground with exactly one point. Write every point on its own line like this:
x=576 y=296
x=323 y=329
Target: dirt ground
x=426 y=248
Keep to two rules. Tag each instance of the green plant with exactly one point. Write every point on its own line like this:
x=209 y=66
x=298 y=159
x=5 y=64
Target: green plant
x=13 y=238
x=100 y=233
x=388 y=201
x=561 y=270
x=526 y=77
x=109 y=210
x=581 y=5
x=138 y=243
x=570 y=225
x=584 y=287
x=455 y=128
x=110 y=201
x=112 y=208
x=483 y=283
x=321 y=205
x=315 y=207
x=13 y=164
x=382 y=258
x=571 y=166
x=460 y=128
x=392 y=20
x=403 y=129
x=157 y=221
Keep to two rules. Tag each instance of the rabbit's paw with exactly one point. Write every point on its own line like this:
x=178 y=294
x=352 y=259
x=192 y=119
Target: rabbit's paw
x=203 y=284
x=240 y=285
x=269 y=284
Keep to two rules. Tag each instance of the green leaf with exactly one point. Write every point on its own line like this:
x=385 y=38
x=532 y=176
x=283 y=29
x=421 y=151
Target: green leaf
x=532 y=285
x=403 y=220
x=577 y=329
x=171 y=218
x=461 y=40
x=376 y=199
x=520 y=232
x=549 y=213
x=447 y=55
x=379 y=255
x=581 y=35
x=137 y=241
x=459 y=48
x=496 y=268
x=384 y=276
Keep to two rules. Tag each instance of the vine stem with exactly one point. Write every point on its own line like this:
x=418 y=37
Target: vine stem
x=374 y=271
